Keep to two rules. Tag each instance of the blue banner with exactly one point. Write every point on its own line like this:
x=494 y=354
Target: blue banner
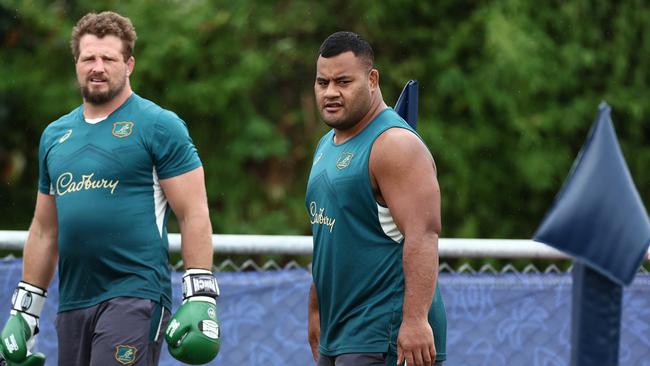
x=495 y=320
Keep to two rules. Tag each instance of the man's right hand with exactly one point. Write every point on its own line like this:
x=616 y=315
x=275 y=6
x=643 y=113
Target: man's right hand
x=19 y=333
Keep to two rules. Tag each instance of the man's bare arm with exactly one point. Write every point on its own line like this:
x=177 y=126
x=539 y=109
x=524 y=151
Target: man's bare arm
x=41 y=250
x=404 y=174
x=187 y=197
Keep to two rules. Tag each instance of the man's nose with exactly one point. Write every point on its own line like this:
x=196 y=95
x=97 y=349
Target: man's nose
x=332 y=91
x=98 y=65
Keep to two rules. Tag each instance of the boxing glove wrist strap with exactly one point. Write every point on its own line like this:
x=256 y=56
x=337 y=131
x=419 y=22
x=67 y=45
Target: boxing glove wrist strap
x=28 y=299
x=199 y=282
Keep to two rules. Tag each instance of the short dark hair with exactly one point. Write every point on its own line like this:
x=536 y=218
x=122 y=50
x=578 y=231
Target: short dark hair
x=101 y=25
x=340 y=42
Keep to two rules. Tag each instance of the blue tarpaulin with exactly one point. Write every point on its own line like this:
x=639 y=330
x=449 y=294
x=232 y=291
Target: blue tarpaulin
x=493 y=320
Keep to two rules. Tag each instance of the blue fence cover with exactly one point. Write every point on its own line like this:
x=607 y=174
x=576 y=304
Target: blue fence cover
x=495 y=320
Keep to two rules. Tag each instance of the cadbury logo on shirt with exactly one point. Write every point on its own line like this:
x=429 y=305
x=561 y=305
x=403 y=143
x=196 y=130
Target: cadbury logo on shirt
x=66 y=183
x=319 y=217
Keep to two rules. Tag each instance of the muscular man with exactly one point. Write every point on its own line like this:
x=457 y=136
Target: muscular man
x=374 y=205
x=110 y=171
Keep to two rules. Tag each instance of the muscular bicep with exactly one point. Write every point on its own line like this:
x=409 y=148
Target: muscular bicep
x=186 y=193
x=404 y=178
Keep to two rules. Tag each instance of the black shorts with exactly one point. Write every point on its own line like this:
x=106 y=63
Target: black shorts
x=357 y=359
x=120 y=331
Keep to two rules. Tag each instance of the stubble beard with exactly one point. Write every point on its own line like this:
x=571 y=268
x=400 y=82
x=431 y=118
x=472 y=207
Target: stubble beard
x=344 y=122
x=340 y=124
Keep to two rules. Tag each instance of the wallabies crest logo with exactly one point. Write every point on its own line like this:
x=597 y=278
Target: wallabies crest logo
x=122 y=129
x=125 y=354
x=344 y=160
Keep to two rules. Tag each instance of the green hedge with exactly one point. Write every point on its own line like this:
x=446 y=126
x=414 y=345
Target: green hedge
x=509 y=90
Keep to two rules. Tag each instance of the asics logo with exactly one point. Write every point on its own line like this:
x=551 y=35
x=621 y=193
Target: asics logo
x=65 y=136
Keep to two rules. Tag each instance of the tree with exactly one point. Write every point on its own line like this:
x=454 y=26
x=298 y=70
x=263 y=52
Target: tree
x=508 y=92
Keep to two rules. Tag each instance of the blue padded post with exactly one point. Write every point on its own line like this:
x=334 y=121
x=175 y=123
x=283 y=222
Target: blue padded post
x=599 y=219
x=407 y=103
x=595 y=318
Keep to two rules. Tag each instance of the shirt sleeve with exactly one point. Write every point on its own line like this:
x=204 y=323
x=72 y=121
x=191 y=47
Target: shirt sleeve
x=44 y=181
x=173 y=150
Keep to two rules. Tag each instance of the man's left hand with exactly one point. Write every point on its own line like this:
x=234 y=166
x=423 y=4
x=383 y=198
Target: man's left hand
x=193 y=335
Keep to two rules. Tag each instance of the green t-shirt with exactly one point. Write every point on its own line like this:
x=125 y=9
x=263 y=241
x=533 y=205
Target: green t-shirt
x=357 y=264
x=112 y=213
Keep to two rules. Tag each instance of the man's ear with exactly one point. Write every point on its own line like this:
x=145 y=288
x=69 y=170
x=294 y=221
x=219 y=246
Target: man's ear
x=373 y=79
x=130 y=65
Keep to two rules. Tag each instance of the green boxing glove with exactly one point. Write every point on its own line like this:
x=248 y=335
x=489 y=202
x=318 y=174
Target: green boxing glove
x=19 y=334
x=193 y=334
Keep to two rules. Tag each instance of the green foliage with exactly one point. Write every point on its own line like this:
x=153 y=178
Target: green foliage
x=508 y=92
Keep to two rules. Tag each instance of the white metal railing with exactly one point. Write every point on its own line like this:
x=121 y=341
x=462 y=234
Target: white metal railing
x=302 y=245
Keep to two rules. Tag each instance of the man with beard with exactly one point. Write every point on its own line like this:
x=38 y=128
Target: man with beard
x=109 y=173
x=374 y=205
